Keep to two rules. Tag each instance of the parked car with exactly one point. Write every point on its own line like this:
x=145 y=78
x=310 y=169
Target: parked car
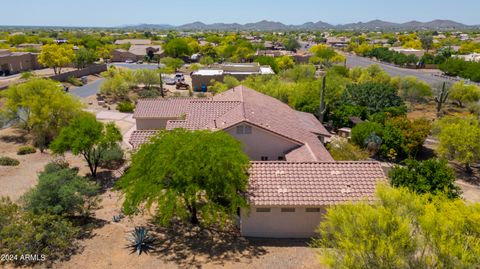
x=179 y=77
x=128 y=61
x=140 y=62
x=168 y=81
x=182 y=86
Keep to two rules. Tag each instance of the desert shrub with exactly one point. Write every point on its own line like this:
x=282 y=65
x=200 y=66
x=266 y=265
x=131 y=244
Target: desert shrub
x=149 y=93
x=7 y=161
x=112 y=157
x=400 y=229
x=74 y=81
x=26 y=150
x=27 y=75
x=363 y=131
x=62 y=192
x=126 y=106
x=430 y=176
x=342 y=150
x=55 y=166
x=47 y=235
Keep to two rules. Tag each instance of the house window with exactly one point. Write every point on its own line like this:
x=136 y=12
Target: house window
x=264 y=158
x=281 y=158
x=313 y=210
x=248 y=129
x=262 y=209
x=287 y=209
x=240 y=129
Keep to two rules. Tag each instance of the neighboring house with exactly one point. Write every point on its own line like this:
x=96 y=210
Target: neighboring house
x=36 y=47
x=267 y=128
x=472 y=57
x=133 y=41
x=15 y=62
x=338 y=42
x=137 y=53
x=204 y=77
x=293 y=178
x=289 y=199
x=416 y=52
x=302 y=57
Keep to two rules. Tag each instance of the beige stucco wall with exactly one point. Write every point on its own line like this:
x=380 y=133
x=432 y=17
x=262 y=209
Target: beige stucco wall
x=277 y=224
x=152 y=124
x=262 y=143
x=19 y=63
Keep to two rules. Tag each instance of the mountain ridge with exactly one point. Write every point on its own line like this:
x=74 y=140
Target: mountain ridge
x=266 y=25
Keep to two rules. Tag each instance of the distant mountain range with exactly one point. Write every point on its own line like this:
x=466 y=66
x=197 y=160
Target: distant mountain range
x=320 y=25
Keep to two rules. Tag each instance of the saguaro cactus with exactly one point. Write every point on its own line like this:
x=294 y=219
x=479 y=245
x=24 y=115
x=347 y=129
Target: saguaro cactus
x=441 y=98
x=321 y=112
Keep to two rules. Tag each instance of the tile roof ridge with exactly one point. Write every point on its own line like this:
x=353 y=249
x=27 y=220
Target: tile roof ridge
x=315 y=162
x=310 y=150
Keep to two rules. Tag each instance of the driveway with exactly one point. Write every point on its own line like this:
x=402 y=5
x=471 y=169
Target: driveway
x=94 y=87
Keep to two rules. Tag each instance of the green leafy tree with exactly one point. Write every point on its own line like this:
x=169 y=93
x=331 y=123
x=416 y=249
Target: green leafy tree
x=284 y=62
x=62 y=192
x=375 y=97
x=459 y=139
x=177 y=47
x=429 y=176
x=414 y=133
x=84 y=57
x=56 y=56
x=325 y=55
x=267 y=60
x=363 y=131
x=42 y=107
x=401 y=229
x=342 y=150
x=187 y=174
x=147 y=77
x=427 y=41
x=291 y=44
x=412 y=89
x=87 y=137
x=171 y=63
x=464 y=93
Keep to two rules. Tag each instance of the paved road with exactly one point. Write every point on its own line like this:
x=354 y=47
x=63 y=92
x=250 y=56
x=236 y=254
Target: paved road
x=94 y=87
x=353 y=60
x=89 y=89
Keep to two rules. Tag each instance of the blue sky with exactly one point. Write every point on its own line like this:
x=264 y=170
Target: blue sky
x=176 y=12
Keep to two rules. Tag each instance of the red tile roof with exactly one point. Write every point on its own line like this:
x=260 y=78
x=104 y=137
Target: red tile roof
x=139 y=137
x=312 y=183
x=242 y=104
x=161 y=108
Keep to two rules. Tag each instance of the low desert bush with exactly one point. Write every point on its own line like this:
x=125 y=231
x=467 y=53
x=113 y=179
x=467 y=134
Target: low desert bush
x=26 y=150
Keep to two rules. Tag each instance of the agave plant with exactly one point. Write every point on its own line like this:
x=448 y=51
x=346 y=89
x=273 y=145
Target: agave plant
x=141 y=241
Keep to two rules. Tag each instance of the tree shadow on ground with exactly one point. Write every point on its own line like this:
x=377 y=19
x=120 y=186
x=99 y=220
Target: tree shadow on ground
x=425 y=153
x=461 y=173
x=16 y=139
x=191 y=247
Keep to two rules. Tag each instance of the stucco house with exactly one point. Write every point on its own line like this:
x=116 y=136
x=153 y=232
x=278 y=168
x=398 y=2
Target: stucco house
x=268 y=128
x=293 y=178
x=289 y=199
x=133 y=41
x=136 y=53
x=15 y=62
x=204 y=77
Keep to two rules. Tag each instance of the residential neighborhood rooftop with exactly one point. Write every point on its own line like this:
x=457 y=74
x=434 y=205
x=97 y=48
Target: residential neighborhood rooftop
x=312 y=183
x=234 y=106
